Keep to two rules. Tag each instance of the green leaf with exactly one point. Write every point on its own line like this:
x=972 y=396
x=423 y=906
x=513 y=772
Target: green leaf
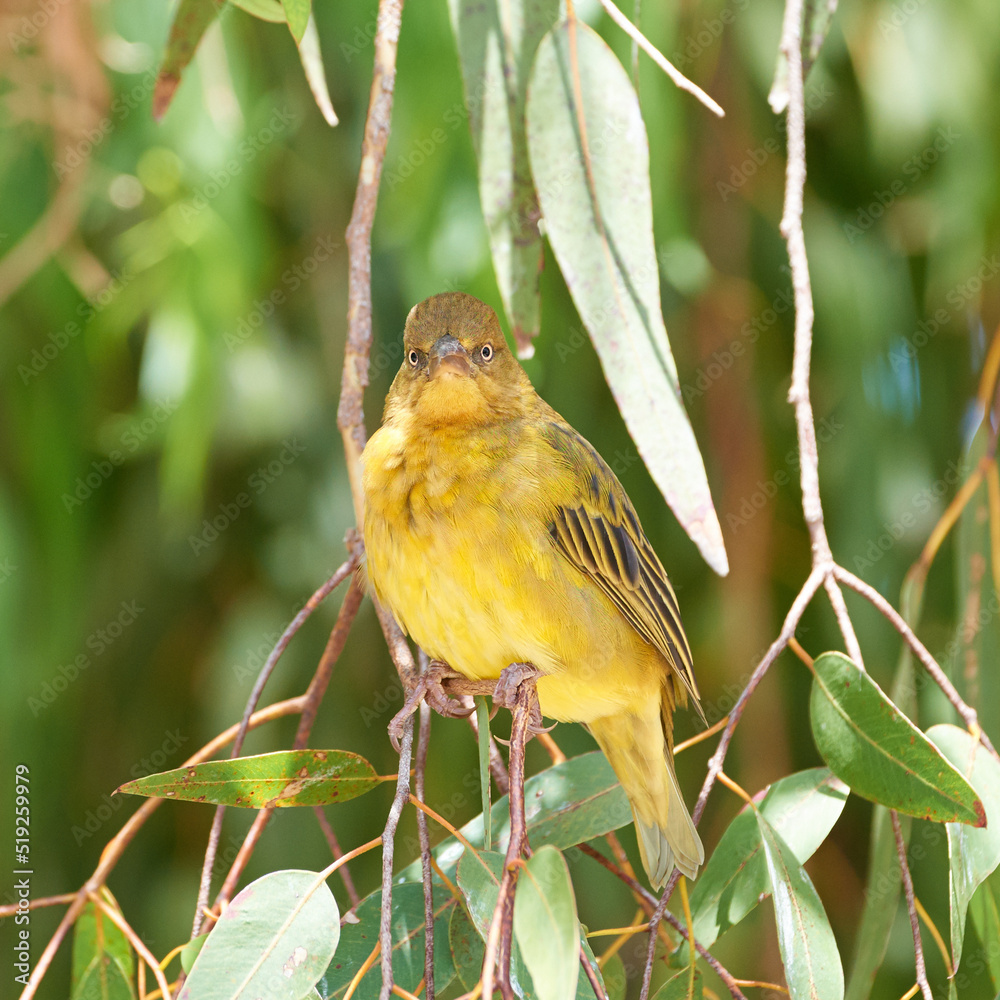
x=103 y=963
x=358 y=940
x=497 y=40
x=546 y=925
x=808 y=948
x=802 y=809
x=285 y=778
x=597 y=209
x=190 y=23
x=483 y=722
x=973 y=855
x=297 y=13
x=615 y=979
x=467 y=948
x=884 y=882
x=881 y=755
x=312 y=64
x=274 y=939
x=191 y=951
x=265 y=10
x=679 y=987
x=566 y=805
x=478 y=877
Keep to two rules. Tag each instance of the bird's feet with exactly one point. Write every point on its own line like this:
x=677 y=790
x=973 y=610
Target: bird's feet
x=429 y=688
x=506 y=691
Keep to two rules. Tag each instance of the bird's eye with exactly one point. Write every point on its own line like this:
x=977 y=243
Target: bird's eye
x=486 y=352
x=413 y=358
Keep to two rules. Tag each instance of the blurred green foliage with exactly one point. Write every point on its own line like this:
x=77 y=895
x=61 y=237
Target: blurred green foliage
x=173 y=484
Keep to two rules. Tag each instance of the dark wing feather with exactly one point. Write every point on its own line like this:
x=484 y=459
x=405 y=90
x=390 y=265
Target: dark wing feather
x=600 y=534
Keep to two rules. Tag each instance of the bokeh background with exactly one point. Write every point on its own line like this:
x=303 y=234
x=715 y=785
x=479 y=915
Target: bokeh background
x=172 y=321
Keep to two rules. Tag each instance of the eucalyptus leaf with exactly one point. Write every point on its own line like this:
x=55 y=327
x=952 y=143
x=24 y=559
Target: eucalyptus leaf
x=358 y=940
x=802 y=808
x=546 y=925
x=274 y=939
x=497 y=40
x=808 y=948
x=678 y=987
x=284 y=778
x=590 y=161
x=882 y=756
x=973 y=854
x=190 y=23
x=103 y=961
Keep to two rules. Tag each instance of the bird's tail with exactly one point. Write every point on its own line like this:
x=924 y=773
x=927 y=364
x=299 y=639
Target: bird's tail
x=638 y=749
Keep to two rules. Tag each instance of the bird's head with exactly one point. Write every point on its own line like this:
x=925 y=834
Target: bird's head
x=457 y=369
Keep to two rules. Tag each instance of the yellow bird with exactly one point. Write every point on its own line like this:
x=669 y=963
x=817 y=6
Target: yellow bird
x=496 y=535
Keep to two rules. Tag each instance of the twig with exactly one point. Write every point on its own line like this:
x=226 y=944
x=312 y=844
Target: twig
x=338 y=852
x=310 y=701
x=423 y=742
x=967 y=713
x=654 y=53
x=388 y=843
x=904 y=868
x=499 y=940
x=720 y=970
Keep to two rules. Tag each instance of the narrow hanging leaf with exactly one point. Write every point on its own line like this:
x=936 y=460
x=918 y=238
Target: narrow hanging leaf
x=808 y=948
x=881 y=755
x=467 y=948
x=973 y=855
x=285 y=778
x=312 y=64
x=191 y=21
x=483 y=722
x=103 y=962
x=497 y=40
x=817 y=16
x=297 y=13
x=546 y=925
x=985 y=913
x=590 y=161
x=358 y=939
x=273 y=940
x=802 y=809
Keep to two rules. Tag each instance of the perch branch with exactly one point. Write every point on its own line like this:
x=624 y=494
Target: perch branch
x=904 y=868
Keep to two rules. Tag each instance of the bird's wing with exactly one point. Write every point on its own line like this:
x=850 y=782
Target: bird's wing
x=596 y=528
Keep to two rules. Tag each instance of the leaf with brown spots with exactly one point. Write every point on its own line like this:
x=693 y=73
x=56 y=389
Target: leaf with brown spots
x=285 y=778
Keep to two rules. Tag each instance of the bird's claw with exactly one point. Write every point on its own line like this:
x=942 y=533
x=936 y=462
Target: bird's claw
x=505 y=693
x=429 y=688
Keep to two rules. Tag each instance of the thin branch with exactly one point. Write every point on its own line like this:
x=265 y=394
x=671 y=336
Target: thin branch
x=423 y=742
x=388 y=843
x=904 y=868
x=680 y=80
x=141 y=950
x=967 y=713
x=338 y=852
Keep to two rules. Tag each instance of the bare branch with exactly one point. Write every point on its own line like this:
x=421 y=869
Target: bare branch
x=426 y=868
x=904 y=868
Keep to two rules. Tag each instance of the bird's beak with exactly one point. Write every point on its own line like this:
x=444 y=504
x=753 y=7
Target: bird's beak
x=448 y=356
